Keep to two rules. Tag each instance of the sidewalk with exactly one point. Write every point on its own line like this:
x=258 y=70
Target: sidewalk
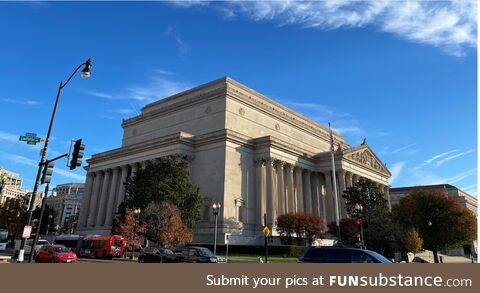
x=427 y=256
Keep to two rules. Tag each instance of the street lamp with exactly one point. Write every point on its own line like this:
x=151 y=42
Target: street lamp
x=359 y=209
x=86 y=72
x=136 y=212
x=216 y=207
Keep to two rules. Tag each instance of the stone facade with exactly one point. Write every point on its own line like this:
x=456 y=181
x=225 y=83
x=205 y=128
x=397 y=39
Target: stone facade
x=66 y=200
x=245 y=151
x=10 y=186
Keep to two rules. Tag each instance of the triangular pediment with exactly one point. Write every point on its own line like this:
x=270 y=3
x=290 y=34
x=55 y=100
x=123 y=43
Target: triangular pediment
x=364 y=155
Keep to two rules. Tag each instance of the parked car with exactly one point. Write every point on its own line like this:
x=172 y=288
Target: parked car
x=195 y=254
x=55 y=254
x=333 y=254
x=28 y=245
x=157 y=254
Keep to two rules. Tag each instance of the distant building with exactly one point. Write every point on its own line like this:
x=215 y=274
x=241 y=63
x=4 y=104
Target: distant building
x=66 y=200
x=38 y=199
x=10 y=185
x=463 y=198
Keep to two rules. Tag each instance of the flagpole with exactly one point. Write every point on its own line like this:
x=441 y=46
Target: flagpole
x=335 y=195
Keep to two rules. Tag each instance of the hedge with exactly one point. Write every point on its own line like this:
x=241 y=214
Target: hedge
x=277 y=250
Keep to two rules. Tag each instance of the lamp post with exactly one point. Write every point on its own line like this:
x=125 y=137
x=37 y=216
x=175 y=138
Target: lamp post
x=87 y=65
x=136 y=212
x=216 y=207
x=359 y=209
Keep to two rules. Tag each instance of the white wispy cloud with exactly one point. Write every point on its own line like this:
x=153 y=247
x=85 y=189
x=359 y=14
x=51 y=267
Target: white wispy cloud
x=450 y=25
x=19 y=159
x=98 y=94
x=396 y=170
x=386 y=151
x=183 y=47
x=157 y=87
x=124 y=111
x=342 y=122
x=444 y=160
x=459 y=177
x=21 y=102
x=436 y=157
x=423 y=177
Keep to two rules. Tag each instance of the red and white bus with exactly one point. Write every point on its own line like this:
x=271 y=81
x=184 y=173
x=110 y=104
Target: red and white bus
x=102 y=246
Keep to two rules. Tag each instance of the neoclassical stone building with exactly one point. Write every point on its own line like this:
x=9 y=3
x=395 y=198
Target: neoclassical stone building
x=245 y=151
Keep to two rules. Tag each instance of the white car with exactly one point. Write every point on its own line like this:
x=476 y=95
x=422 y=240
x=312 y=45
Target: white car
x=28 y=245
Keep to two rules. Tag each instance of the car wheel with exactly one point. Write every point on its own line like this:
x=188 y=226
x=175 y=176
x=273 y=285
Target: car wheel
x=37 y=259
x=141 y=260
x=52 y=260
x=95 y=254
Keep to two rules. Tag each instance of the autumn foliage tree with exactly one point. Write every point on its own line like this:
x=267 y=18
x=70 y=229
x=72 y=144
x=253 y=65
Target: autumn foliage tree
x=164 y=224
x=441 y=222
x=131 y=229
x=349 y=231
x=304 y=226
x=413 y=241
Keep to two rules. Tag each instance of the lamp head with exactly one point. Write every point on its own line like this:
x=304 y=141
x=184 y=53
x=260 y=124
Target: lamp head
x=86 y=70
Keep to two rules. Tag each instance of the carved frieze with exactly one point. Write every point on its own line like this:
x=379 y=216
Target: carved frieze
x=366 y=158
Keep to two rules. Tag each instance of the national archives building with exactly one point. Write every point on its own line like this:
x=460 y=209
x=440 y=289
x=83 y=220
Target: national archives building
x=247 y=152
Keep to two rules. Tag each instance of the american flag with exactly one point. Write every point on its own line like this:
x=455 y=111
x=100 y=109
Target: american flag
x=332 y=142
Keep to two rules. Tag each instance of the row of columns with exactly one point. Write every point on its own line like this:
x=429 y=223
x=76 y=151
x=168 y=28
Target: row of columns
x=104 y=191
x=285 y=188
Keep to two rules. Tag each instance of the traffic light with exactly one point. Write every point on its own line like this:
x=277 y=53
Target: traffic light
x=47 y=172
x=77 y=154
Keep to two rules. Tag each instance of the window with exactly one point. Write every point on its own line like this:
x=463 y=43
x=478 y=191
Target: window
x=360 y=257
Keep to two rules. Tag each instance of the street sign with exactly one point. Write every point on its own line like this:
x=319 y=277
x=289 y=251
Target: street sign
x=266 y=231
x=27 y=230
x=30 y=138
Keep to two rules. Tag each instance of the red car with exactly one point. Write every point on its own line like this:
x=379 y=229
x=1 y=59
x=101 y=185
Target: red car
x=55 y=253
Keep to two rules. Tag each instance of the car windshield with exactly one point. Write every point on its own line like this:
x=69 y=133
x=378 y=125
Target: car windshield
x=117 y=243
x=61 y=249
x=204 y=252
x=42 y=242
x=379 y=257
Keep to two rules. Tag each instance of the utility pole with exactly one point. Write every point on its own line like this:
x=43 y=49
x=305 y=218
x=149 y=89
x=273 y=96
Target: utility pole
x=266 y=236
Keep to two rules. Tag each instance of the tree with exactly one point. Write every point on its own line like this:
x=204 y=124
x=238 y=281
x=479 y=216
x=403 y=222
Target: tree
x=366 y=193
x=13 y=217
x=165 y=180
x=413 y=241
x=164 y=224
x=441 y=221
x=131 y=229
x=305 y=226
x=349 y=231
x=381 y=233
x=285 y=226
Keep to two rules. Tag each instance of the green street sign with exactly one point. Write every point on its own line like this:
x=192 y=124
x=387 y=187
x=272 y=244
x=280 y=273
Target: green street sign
x=30 y=139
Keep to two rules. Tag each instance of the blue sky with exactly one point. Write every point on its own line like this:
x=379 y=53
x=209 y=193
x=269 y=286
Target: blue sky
x=401 y=74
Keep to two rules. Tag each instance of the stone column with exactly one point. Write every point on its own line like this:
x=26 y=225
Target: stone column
x=341 y=189
x=121 y=187
x=299 y=190
x=349 y=179
x=134 y=169
x=322 y=195
x=290 y=194
x=112 y=194
x=329 y=197
x=271 y=198
x=260 y=190
x=307 y=192
x=280 y=188
x=92 y=209
x=82 y=221
x=103 y=198
x=315 y=194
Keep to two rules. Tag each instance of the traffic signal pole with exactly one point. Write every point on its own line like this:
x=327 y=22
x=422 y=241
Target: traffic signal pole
x=44 y=153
